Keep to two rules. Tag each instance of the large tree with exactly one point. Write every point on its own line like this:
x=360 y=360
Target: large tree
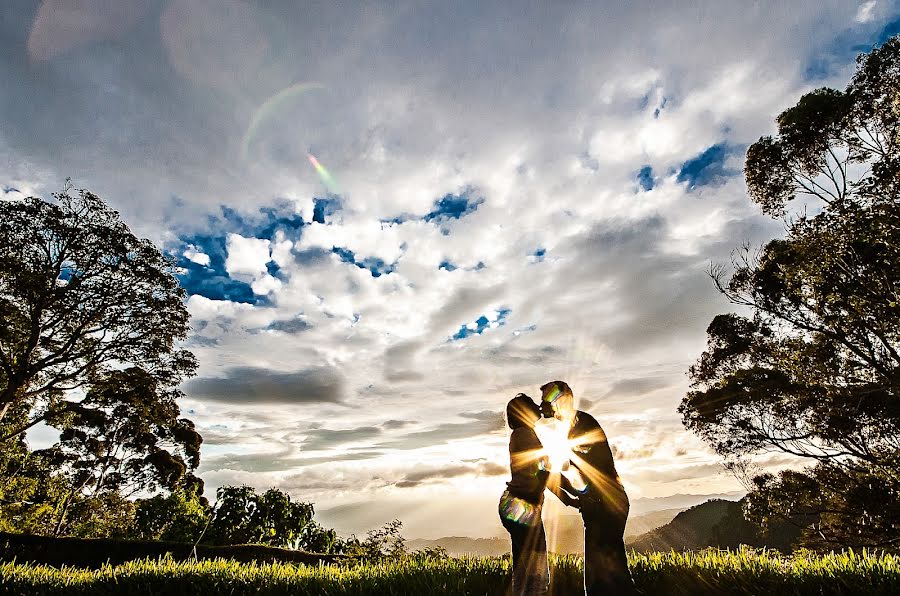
x=243 y=516
x=124 y=437
x=90 y=322
x=81 y=295
x=811 y=365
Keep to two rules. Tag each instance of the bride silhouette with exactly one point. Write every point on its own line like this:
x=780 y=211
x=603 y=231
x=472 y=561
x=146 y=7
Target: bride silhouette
x=520 y=505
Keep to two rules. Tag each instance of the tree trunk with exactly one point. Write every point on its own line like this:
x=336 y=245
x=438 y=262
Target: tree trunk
x=15 y=433
x=8 y=395
x=63 y=513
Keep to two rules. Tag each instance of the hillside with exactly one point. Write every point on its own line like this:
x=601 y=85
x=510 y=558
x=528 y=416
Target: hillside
x=640 y=524
x=565 y=535
x=716 y=523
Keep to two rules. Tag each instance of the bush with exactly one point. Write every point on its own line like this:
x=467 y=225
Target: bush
x=95 y=552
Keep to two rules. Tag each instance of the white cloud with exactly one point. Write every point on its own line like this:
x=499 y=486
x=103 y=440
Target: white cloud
x=196 y=255
x=247 y=257
x=265 y=285
x=865 y=12
x=363 y=234
x=204 y=309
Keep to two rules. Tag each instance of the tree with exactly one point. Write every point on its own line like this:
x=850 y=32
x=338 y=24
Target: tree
x=91 y=319
x=243 y=517
x=180 y=516
x=811 y=368
x=315 y=538
x=29 y=492
x=382 y=543
x=80 y=295
x=240 y=516
x=385 y=542
x=125 y=436
x=33 y=495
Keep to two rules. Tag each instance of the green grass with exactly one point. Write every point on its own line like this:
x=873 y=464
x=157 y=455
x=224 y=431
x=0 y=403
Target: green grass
x=709 y=572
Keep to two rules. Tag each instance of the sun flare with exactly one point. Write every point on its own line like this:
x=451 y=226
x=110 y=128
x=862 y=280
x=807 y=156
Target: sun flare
x=557 y=447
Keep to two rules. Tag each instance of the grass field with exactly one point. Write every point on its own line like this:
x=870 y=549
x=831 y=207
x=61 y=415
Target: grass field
x=709 y=572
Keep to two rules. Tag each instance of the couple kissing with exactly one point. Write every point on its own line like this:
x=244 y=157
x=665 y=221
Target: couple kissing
x=594 y=489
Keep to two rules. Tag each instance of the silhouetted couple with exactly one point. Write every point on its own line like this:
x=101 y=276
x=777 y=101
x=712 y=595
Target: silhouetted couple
x=602 y=501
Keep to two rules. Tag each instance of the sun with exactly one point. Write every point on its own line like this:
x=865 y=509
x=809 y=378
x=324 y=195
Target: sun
x=556 y=445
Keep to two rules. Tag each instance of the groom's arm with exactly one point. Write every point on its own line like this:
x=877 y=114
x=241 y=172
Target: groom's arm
x=566 y=485
x=560 y=486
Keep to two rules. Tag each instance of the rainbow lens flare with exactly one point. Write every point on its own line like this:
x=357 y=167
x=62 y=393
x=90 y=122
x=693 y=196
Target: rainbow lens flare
x=551 y=395
x=269 y=107
x=324 y=175
x=519 y=510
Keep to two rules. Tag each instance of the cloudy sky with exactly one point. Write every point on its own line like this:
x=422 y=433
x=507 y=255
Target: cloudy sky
x=506 y=194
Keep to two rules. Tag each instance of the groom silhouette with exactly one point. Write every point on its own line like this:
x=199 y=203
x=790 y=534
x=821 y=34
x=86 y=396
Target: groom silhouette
x=603 y=502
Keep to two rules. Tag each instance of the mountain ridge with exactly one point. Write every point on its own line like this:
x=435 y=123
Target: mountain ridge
x=565 y=535
x=717 y=523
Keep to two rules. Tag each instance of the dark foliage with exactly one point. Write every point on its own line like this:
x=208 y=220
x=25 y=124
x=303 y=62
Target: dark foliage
x=95 y=552
x=81 y=295
x=85 y=304
x=243 y=516
x=812 y=367
x=180 y=516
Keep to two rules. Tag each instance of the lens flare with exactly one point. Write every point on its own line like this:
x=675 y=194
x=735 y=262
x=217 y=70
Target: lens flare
x=270 y=107
x=324 y=175
x=519 y=510
x=605 y=487
x=557 y=447
x=218 y=43
x=60 y=25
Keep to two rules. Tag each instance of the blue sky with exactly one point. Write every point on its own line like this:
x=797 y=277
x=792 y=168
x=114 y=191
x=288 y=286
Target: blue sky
x=511 y=197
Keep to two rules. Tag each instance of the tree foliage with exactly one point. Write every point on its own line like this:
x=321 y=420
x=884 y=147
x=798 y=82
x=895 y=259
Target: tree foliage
x=90 y=320
x=29 y=492
x=243 y=517
x=80 y=295
x=240 y=516
x=811 y=367
x=382 y=544
x=180 y=516
x=125 y=436
x=36 y=498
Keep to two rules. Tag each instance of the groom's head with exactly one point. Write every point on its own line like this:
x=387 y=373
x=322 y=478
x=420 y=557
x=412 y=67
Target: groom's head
x=557 y=401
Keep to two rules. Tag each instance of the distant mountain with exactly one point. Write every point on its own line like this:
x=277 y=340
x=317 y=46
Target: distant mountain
x=641 y=524
x=565 y=535
x=462 y=545
x=716 y=523
x=679 y=501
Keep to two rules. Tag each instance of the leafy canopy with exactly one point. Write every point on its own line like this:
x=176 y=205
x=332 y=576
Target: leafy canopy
x=810 y=367
x=80 y=296
x=92 y=317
